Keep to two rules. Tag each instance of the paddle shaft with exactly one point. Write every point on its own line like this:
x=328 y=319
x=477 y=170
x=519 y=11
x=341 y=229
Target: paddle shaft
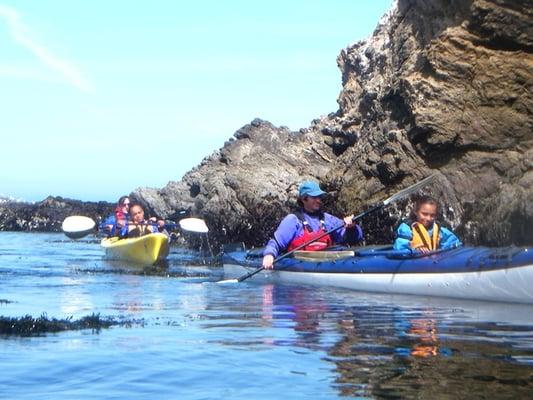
x=166 y=225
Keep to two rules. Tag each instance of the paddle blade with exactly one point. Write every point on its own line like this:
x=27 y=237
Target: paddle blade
x=77 y=226
x=194 y=225
x=411 y=189
x=228 y=281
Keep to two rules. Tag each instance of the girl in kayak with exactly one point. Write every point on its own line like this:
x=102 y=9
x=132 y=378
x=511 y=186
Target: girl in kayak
x=115 y=224
x=122 y=212
x=424 y=234
x=308 y=223
x=138 y=226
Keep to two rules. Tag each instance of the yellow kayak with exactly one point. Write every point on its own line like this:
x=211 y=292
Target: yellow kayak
x=146 y=250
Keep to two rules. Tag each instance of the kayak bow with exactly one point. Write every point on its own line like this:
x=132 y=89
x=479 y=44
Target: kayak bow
x=146 y=250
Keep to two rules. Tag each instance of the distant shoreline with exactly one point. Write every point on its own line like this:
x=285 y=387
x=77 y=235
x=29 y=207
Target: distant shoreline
x=47 y=215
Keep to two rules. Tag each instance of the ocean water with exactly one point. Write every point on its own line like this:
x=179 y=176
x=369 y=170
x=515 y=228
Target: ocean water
x=177 y=334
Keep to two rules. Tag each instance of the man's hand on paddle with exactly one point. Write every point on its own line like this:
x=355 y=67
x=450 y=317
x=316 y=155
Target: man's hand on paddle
x=349 y=222
x=268 y=261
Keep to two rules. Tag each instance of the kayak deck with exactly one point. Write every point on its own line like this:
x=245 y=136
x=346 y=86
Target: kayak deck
x=146 y=250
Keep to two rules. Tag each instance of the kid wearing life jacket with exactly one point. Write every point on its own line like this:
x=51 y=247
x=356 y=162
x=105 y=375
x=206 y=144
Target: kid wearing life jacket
x=309 y=223
x=139 y=226
x=424 y=234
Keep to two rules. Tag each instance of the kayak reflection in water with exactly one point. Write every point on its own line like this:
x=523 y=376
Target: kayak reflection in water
x=293 y=308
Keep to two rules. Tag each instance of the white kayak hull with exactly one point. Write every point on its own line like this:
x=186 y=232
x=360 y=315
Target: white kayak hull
x=513 y=284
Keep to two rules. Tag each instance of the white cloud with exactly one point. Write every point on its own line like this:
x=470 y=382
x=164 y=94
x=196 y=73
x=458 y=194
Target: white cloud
x=19 y=32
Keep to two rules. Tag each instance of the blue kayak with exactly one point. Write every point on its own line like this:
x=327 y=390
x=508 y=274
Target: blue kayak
x=481 y=273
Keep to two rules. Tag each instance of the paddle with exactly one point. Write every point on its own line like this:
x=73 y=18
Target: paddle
x=77 y=226
x=400 y=195
x=193 y=225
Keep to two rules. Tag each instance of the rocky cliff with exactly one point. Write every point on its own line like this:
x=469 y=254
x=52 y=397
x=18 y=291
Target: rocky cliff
x=442 y=86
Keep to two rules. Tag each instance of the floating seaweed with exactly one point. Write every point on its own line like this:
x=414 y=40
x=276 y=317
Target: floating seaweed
x=30 y=326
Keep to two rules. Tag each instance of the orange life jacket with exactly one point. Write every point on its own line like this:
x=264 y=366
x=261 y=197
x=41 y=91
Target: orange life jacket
x=421 y=237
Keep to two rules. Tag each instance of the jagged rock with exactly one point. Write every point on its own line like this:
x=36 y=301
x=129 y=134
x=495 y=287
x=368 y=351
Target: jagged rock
x=442 y=86
x=246 y=184
x=47 y=215
x=452 y=80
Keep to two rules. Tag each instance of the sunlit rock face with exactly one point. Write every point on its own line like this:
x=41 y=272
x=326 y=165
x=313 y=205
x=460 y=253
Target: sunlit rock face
x=248 y=185
x=441 y=87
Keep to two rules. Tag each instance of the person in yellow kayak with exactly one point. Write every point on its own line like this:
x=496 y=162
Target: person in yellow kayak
x=122 y=211
x=115 y=224
x=139 y=226
x=422 y=234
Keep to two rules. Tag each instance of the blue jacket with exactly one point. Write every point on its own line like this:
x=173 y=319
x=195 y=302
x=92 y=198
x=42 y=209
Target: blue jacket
x=291 y=227
x=404 y=235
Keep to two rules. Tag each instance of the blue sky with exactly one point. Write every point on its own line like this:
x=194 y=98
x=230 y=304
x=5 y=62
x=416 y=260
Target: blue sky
x=101 y=97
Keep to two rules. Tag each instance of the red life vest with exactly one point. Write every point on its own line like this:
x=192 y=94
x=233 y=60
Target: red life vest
x=308 y=235
x=120 y=214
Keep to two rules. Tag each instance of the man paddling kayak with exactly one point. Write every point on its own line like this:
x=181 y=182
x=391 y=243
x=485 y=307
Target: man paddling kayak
x=309 y=222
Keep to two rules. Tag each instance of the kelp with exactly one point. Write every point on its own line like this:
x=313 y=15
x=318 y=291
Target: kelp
x=30 y=326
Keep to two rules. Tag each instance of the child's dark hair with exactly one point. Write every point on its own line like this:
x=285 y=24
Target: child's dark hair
x=420 y=201
x=424 y=199
x=136 y=205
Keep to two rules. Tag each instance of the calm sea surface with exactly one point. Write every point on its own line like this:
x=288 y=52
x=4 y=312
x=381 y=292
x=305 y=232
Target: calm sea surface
x=181 y=335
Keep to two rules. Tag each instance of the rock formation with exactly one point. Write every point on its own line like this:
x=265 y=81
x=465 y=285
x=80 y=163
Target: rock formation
x=47 y=215
x=442 y=86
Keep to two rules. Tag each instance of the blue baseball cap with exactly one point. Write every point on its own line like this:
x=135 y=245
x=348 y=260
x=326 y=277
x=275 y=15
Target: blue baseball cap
x=310 y=188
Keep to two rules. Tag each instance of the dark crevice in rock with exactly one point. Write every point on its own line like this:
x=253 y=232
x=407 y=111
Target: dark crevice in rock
x=399 y=110
x=503 y=44
x=339 y=140
x=194 y=190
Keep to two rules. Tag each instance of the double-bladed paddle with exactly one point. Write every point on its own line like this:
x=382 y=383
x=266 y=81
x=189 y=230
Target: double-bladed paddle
x=397 y=196
x=77 y=226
